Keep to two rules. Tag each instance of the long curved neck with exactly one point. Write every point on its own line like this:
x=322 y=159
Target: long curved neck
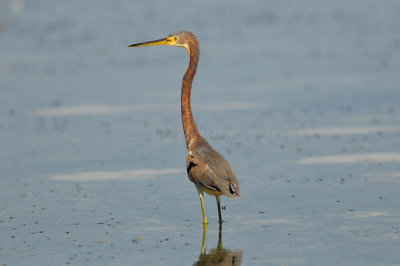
x=189 y=126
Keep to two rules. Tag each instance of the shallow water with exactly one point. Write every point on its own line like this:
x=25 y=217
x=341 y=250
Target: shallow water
x=302 y=98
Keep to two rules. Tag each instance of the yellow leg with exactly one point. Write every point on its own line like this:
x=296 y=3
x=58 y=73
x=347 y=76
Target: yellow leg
x=203 y=246
x=202 y=207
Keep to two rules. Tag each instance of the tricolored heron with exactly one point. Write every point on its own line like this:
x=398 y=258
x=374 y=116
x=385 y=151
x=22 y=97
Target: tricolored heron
x=206 y=168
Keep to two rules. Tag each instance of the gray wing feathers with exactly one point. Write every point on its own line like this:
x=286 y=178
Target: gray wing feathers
x=217 y=171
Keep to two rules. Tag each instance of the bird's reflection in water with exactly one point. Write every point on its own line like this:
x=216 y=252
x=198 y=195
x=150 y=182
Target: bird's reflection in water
x=219 y=255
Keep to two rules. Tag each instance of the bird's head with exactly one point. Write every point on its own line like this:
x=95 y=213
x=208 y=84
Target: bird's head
x=181 y=39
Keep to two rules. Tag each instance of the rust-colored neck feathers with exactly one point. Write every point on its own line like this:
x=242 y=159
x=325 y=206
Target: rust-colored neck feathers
x=189 y=126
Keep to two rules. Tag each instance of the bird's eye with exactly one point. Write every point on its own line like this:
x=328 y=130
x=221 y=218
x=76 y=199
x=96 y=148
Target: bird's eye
x=175 y=38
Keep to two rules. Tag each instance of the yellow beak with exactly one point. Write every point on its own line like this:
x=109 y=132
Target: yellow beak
x=165 y=41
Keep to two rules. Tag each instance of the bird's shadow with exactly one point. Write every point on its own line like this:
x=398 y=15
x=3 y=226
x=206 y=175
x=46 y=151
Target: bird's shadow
x=218 y=255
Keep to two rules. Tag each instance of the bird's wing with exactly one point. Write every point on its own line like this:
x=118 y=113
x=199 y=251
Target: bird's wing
x=215 y=169
x=202 y=175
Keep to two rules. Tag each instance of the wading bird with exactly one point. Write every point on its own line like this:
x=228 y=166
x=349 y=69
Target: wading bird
x=206 y=168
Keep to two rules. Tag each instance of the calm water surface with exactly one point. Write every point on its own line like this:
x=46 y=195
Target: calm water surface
x=302 y=98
